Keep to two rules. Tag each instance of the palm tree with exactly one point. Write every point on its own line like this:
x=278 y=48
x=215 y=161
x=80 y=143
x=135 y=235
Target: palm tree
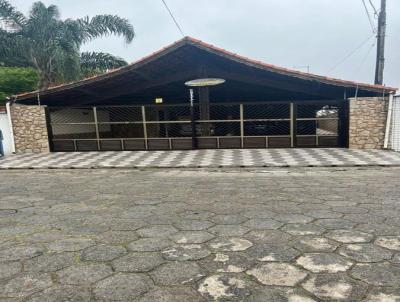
x=93 y=63
x=52 y=46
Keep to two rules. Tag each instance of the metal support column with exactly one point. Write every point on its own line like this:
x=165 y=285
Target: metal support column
x=97 y=128
x=241 y=126
x=292 y=125
x=144 y=127
x=192 y=120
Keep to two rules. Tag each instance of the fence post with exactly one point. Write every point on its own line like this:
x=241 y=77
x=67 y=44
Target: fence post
x=49 y=128
x=97 y=128
x=144 y=127
x=241 y=126
x=292 y=125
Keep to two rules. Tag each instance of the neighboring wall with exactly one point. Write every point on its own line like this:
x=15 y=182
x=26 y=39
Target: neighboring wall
x=394 y=141
x=367 y=122
x=30 y=129
x=5 y=140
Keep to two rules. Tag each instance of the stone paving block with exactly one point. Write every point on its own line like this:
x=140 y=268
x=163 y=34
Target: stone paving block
x=383 y=295
x=83 y=274
x=51 y=262
x=122 y=287
x=228 y=230
x=227 y=262
x=281 y=274
x=191 y=214
x=230 y=244
x=25 y=285
x=365 y=252
x=9 y=269
x=173 y=294
x=272 y=253
x=21 y=252
x=268 y=236
x=193 y=225
x=185 y=252
x=117 y=237
x=177 y=273
x=137 y=262
x=323 y=213
x=224 y=287
x=298 y=229
x=149 y=244
x=101 y=253
x=335 y=223
x=263 y=223
x=349 y=236
x=62 y=293
x=70 y=244
x=378 y=274
x=157 y=231
x=279 y=294
x=315 y=244
x=324 y=262
x=191 y=237
x=332 y=287
x=228 y=219
x=293 y=218
x=389 y=242
x=45 y=237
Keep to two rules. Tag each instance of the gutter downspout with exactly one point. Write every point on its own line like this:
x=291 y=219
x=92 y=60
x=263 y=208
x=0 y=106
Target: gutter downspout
x=8 y=108
x=388 y=121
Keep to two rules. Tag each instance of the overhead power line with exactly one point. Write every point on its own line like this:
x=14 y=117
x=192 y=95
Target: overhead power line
x=173 y=18
x=350 y=53
x=373 y=7
x=364 y=59
x=371 y=22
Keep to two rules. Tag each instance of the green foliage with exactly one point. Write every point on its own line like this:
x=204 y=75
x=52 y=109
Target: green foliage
x=14 y=80
x=51 y=45
x=93 y=63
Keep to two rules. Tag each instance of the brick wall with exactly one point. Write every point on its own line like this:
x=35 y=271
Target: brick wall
x=367 y=122
x=30 y=129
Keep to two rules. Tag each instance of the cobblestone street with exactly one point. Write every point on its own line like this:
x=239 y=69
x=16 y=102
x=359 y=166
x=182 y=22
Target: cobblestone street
x=288 y=234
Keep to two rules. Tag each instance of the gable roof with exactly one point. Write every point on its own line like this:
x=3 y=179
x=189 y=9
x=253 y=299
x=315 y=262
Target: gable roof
x=217 y=51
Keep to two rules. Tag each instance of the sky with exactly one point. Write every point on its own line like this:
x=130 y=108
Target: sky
x=320 y=34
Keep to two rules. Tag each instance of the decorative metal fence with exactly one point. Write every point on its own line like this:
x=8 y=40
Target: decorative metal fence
x=168 y=127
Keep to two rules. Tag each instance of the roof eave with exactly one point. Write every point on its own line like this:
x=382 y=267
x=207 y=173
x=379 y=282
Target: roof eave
x=217 y=51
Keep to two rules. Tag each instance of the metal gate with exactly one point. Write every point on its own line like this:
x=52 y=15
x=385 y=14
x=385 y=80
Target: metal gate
x=172 y=127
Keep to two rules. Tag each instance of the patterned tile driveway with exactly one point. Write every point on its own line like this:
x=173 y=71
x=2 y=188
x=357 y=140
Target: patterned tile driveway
x=320 y=234
x=205 y=158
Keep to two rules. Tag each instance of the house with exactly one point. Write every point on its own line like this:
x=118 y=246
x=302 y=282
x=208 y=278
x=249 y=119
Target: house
x=146 y=106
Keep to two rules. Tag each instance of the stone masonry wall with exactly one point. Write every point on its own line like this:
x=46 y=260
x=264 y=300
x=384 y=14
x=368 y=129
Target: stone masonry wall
x=367 y=122
x=30 y=129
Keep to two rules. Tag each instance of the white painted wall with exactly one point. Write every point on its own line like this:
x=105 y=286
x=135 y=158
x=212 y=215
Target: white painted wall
x=395 y=125
x=5 y=129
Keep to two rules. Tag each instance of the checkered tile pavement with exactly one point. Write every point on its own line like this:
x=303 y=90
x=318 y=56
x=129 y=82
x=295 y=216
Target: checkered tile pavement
x=204 y=158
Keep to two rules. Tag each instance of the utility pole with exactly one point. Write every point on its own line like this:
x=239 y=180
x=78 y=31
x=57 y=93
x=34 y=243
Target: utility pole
x=380 y=48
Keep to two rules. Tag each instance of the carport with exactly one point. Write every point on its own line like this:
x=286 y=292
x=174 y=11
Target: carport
x=145 y=106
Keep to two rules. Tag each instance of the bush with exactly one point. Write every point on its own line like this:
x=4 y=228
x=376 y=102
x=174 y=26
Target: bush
x=14 y=80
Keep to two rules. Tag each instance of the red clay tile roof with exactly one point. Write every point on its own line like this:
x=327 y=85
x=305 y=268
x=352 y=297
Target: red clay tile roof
x=219 y=51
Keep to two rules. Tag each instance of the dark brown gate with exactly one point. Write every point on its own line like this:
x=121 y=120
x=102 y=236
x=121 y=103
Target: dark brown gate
x=172 y=127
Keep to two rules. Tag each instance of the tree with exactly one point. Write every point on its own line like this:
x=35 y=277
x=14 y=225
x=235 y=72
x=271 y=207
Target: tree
x=52 y=46
x=93 y=63
x=15 y=80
